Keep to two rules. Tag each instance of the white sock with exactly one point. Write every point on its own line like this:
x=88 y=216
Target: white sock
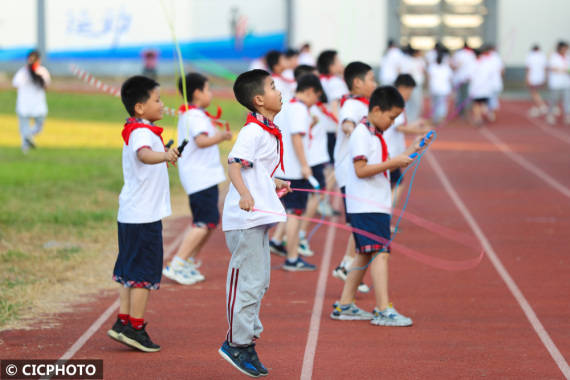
x=177 y=261
x=302 y=234
x=276 y=241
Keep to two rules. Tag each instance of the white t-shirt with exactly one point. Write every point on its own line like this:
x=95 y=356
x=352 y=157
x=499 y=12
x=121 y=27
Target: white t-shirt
x=536 y=65
x=335 y=88
x=464 y=61
x=558 y=80
x=293 y=119
x=260 y=148
x=258 y=64
x=363 y=143
x=145 y=197
x=415 y=66
x=440 y=76
x=396 y=140
x=285 y=86
x=317 y=149
x=199 y=168
x=352 y=110
x=482 y=84
x=306 y=58
x=390 y=66
x=31 y=100
x=497 y=69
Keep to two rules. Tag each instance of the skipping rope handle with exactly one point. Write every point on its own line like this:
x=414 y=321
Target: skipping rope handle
x=423 y=143
x=182 y=146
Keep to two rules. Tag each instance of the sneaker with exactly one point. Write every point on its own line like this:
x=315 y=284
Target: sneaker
x=551 y=119
x=138 y=339
x=256 y=362
x=240 y=358
x=194 y=274
x=179 y=274
x=340 y=272
x=534 y=112
x=350 y=313
x=116 y=330
x=390 y=317
x=299 y=265
x=325 y=209
x=363 y=288
x=194 y=263
x=304 y=248
x=277 y=249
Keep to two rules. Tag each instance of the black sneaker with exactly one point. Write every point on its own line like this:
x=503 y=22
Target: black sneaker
x=277 y=249
x=255 y=361
x=138 y=339
x=116 y=330
x=240 y=358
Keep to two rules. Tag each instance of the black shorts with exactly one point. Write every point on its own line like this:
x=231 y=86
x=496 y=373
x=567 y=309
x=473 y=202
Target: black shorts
x=139 y=263
x=204 y=207
x=346 y=214
x=481 y=100
x=375 y=223
x=331 y=141
x=296 y=201
x=395 y=176
x=319 y=174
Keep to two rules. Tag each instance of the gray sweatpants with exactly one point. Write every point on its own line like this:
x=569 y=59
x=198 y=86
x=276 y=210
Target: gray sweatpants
x=247 y=282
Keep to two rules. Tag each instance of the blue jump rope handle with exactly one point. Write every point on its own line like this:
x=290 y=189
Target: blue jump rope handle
x=422 y=143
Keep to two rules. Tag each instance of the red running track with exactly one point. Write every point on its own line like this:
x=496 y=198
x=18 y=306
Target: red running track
x=466 y=324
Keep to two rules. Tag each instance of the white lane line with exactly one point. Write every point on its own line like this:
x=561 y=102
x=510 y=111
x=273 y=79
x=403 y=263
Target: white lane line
x=511 y=285
x=525 y=163
x=315 y=324
x=550 y=130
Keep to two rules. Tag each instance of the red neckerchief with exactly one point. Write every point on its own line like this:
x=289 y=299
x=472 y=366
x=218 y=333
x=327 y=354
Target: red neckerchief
x=286 y=80
x=375 y=132
x=295 y=100
x=326 y=112
x=214 y=119
x=272 y=129
x=133 y=123
x=351 y=96
x=325 y=76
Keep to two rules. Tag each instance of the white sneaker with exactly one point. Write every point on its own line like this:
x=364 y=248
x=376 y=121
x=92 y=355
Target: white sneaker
x=340 y=273
x=363 y=288
x=534 y=112
x=194 y=263
x=551 y=119
x=390 y=317
x=194 y=273
x=304 y=248
x=178 y=274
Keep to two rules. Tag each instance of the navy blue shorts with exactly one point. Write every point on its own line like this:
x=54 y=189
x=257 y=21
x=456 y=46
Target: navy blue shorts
x=375 y=223
x=346 y=214
x=331 y=141
x=395 y=176
x=204 y=207
x=319 y=174
x=296 y=201
x=139 y=264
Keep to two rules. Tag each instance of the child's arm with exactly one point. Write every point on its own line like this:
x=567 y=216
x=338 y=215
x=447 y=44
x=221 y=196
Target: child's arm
x=150 y=157
x=364 y=170
x=203 y=141
x=300 y=153
x=234 y=171
x=417 y=127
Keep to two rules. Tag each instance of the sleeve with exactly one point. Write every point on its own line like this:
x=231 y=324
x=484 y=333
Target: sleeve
x=358 y=144
x=299 y=120
x=347 y=112
x=337 y=88
x=198 y=125
x=245 y=147
x=18 y=78
x=140 y=138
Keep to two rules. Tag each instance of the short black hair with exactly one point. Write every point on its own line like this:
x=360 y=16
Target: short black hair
x=303 y=70
x=194 y=81
x=405 y=80
x=309 y=81
x=561 y=45
x=135 y=90
x=290 y=52
x=325 y=60
x=355 y=70
x=386 y=97
x=272 y=58
x=248 y=85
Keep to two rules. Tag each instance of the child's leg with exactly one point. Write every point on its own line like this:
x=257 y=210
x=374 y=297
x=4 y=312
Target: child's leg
x=193 y=241
x=38 y=124
x=125 y=300
x=312 y=205
x=354 y=279
x=279 y=232
x=292 y=232
x=138 y=302
x=379 y=272
x=25 y=133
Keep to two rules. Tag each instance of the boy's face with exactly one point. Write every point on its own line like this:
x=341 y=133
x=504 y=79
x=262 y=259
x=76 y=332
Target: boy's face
x=150 y=110
x=406 y=92
x=203 y=98
x=271 y=98
x=336 y=68
x=365 y=87
x=281 y=65
x=382 y=120
x=311 y=96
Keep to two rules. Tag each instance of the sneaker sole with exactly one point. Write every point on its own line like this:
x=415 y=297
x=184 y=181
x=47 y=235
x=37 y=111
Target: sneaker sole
x=277 y=253
x=229 y=360
x=306 y=253
x=363 y=290
x=339 y=276
x=349 y=318
x=116 y=336
x=175 y=279
x=134 y=344
x=391 y=324
x=295 y=269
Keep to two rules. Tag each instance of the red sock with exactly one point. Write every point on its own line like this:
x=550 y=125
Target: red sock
x=124 y=318
x=136 y=322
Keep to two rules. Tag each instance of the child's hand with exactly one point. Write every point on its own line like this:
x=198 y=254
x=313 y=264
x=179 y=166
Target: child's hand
x=224 y=135
x=402 y=160
x=282 y=186
x=246 y=202
x=306 y=172
x=314 y=121
x=171 y=155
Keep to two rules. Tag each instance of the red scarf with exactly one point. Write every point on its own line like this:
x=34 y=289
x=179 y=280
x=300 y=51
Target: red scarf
x=351 y=96
x=215 y=119
x=286 y=80
x=325 y=76
x=133 y=123
x=272 y=129
x=374 y=131
x=326 y=112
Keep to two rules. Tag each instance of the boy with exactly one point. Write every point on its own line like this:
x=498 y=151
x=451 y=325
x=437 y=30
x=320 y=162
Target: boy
x=369 y=178
x=200 y=172
x=360 y=81
x=143 y=202
x=395 y=134
x=481 y=86
x=277 y=64
x=257 y=153
x=296 y=121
